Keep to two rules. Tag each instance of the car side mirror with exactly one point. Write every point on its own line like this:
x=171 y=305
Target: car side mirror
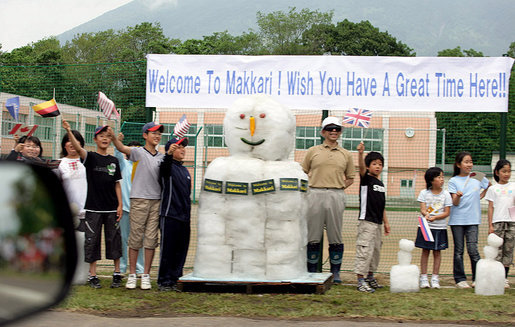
x=38 y=252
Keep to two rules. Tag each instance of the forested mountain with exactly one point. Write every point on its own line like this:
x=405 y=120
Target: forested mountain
x=427 y=26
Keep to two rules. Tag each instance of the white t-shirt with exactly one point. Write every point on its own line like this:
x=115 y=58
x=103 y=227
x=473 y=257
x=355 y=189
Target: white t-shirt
x=503 y=198
x=145 y=184
x=435 y=205
x=73 y=175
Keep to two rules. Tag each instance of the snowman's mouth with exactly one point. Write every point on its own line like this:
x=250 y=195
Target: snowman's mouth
x=244 y=140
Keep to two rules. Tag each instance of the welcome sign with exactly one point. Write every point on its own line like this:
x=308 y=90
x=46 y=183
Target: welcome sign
x=472 y=84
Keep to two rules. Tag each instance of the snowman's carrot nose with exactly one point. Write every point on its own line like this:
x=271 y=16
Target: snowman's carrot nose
x=252 y=125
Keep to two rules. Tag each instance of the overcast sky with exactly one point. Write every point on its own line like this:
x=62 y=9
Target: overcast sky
x=26 y=21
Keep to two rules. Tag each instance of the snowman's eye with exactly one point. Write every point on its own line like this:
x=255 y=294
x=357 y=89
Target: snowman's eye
x=262 y=115
x=242 y=116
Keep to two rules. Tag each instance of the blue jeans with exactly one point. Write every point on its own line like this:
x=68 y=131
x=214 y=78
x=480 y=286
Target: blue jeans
x=125 y=229
x=460 y=233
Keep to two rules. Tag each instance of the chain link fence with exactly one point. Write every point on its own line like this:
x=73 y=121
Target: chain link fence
x=410 y=141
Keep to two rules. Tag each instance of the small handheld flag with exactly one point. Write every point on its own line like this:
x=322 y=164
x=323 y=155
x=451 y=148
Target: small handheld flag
x=22 y=130
x=358 y=117
x=47 y=109
x=107 y=106
x=13 y=106
x=474 y=175
x=182 y=127
x=424 y=228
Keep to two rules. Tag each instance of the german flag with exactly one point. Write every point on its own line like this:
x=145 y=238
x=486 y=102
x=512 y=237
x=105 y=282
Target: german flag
x=47 y=109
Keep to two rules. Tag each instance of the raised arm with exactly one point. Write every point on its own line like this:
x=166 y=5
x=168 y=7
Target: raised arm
x=75 y=143
x=361 y=160
x=117 y=143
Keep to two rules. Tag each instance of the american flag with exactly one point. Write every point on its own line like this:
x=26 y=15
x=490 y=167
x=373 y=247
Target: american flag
x=358 y=117
x=181 y=127
x=107 y=106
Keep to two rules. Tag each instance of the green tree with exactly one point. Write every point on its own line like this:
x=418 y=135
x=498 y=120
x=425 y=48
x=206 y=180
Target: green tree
x=281 y=33
x=477 y=133
x=222 y=43
x=457 y=52
x=353 y=39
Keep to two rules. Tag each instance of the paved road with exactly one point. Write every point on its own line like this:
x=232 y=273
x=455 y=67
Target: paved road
x=67 y=319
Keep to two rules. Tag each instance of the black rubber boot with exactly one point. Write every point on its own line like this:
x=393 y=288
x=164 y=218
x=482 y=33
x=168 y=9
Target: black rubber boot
x=335 y=258
x=313 y=257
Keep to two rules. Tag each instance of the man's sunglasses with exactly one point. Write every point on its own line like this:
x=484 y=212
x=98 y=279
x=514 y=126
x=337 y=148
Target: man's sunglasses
x=333 y=128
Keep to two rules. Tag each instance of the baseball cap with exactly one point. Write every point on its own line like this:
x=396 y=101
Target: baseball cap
x=184 y=142
x=331 y=121
x=100 y=129
x=152 y=127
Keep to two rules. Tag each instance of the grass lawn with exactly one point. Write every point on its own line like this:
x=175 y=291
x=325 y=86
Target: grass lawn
x=340 y=302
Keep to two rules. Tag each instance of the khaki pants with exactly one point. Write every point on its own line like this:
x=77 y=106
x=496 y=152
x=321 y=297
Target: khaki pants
x=368 y=247
x=325 y=208
x=144 y=222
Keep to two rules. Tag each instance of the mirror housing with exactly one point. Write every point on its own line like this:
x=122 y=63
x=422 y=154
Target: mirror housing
x=38 y=251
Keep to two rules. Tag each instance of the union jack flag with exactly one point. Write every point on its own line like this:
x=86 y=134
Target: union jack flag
x=181 y=127
x=358 y=117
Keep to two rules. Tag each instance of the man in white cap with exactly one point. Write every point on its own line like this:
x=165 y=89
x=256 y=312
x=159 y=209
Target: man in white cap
x=331 y=170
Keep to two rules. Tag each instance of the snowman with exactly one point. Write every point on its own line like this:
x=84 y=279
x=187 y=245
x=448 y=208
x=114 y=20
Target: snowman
x=404 y=276
x=490 y=272
x=252 y=209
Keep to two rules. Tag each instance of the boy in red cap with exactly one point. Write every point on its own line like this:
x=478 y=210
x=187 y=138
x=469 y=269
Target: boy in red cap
x=174 y=215
x=145 y=200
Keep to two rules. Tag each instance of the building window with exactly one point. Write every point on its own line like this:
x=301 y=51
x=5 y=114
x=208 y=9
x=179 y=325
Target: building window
x=371 y=137
x=8 y=122
x=307 y=136
x=214 y=136
x=89 y=133
x=407 y=190
x=168 y=134
x=73 y=125
x=45 y=131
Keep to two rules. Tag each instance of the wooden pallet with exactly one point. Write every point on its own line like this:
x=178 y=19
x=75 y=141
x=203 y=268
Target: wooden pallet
x=316 y=283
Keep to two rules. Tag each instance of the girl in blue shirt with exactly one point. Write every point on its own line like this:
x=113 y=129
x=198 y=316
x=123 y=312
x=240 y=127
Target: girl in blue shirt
x=465 y=215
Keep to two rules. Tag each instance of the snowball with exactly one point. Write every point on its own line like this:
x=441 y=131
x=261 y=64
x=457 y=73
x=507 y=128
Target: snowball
x=406 y=245
x=404 y=278
x=274 y=125
x=494 y=240
x=489 y=277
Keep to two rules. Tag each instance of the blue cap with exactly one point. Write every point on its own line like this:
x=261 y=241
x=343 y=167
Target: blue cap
x=100 y=129
x=152 y=127
x=184 y=142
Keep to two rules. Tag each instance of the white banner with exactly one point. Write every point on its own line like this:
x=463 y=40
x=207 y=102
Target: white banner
x=331 y=82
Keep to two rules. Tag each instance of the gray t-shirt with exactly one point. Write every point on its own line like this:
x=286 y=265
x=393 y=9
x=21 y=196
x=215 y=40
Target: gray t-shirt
x=435 y=204
x=145 y=183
